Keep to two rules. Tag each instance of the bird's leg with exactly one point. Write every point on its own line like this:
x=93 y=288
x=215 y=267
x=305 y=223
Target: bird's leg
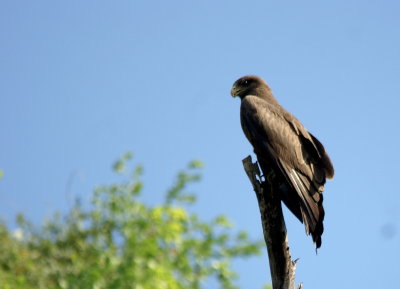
x=270 y=176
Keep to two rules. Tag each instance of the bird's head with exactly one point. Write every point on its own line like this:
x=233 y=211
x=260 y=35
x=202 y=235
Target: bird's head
x=250 y=84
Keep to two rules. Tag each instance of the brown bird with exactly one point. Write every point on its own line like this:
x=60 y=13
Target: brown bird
x=281 y=143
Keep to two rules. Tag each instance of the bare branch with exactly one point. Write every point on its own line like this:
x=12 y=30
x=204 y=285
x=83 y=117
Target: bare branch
x=281 y=266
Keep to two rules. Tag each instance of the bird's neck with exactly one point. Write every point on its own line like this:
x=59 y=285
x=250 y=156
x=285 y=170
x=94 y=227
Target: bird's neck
x=263 y=93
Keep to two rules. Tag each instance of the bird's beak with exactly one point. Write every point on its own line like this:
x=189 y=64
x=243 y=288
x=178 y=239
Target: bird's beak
x=234 y=91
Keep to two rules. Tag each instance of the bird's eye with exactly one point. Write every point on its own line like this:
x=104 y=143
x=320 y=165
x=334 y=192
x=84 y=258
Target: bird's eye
x=246 y=82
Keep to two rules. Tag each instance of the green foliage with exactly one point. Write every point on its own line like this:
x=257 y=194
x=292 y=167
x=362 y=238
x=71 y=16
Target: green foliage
x=120 y=242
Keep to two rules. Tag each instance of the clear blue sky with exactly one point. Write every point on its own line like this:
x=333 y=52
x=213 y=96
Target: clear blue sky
x=82 y=82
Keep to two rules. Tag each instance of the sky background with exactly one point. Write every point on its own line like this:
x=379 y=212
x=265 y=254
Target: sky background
x=82 y=82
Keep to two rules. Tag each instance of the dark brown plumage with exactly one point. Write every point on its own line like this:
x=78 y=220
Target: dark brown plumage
x=283 y=145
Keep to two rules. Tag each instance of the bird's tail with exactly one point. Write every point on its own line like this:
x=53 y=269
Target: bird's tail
x=310 y=201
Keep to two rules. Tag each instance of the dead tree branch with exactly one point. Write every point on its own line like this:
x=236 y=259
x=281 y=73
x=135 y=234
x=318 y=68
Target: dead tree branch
x=281 y=265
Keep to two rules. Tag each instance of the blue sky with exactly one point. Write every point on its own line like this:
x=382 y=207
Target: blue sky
x=82 y=82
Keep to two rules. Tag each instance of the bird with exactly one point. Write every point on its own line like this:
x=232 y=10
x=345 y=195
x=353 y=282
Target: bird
x=298 y=160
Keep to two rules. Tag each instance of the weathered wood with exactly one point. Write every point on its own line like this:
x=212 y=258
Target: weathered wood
x=281 y=265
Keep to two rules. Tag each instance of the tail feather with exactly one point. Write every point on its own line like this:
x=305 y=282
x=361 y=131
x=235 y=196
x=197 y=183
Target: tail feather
x=310 y=202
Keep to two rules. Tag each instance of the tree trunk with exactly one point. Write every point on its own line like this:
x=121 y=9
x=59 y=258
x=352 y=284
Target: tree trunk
x=281 y=265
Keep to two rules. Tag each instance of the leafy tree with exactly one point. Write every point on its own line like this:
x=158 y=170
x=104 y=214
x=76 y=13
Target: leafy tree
x=120 y=242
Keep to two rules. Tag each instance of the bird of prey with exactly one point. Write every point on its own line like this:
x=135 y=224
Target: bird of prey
x=297 y=159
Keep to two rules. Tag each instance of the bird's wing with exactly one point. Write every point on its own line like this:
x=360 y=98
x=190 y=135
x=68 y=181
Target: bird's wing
x=314 y=149
x=280 y=140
